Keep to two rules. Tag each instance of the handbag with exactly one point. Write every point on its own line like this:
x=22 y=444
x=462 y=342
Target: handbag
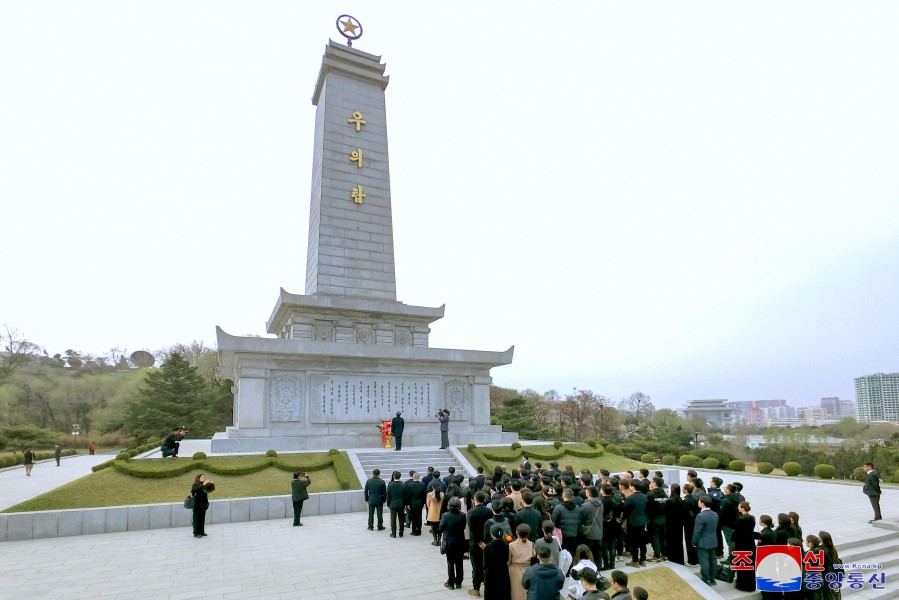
x=189 y=502
x=443 y=545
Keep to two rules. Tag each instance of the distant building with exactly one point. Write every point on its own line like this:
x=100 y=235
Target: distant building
x=717 y=413
x=753 y=413
x=837 y=409
x=877 y=397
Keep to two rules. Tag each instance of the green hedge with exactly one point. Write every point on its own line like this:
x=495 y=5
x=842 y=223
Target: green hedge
x=647 y=458
x=825 y=471
x=515 y=445
x=506 y=456
x=102 y=466
x=736 y=465
x=163 y=468
x=689 y=460
x=669 y=459
x=710 y=463
x=765 y=467
x=792 y=468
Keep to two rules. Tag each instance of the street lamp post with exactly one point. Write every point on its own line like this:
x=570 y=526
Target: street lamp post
x=76 y=431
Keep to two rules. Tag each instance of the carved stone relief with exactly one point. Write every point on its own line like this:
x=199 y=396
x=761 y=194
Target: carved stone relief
x=403 y=336
x=285 y=402
x=365 y=334
x=454 y=398
x=323 y=331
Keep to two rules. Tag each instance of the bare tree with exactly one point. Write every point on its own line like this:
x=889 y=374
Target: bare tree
x=638 y=408
x=17 y=351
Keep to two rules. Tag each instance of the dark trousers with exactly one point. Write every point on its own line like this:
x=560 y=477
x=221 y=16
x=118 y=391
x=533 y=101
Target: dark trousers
x=658 y=533
x=636 y=542
x=416 y=520
x=570 y=544
x=444 y=439
x=720 y=549
x=454 y=563
x=595 y=549
x=297 y=511
x=199 y=521
x=607 y=552
x=692 y=558
x=379 y=509
x=729 y=540
x=875 y=504
x=476 y=554
x=397 y=514
x=708 y=566
x=398 y=441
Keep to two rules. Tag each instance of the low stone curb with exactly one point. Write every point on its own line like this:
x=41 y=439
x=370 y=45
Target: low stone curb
x=140 y=517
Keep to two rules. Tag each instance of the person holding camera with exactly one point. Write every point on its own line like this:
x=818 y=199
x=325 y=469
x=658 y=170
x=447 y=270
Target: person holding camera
x=443 y=419
x=200 y=490
x=172 y=442
x=300 y=494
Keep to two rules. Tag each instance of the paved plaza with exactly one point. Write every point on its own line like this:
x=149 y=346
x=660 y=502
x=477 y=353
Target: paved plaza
x=329 y=557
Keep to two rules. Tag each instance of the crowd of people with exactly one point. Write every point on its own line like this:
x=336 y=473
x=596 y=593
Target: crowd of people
x=533 y=533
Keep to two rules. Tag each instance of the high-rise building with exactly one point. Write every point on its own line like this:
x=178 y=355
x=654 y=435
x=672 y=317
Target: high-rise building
x=877 y=397
x=836 y=408
x=753 y=412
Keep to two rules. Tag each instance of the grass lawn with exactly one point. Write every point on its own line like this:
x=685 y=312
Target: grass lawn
x=612 y=462
x=112 y=488
x=662 y=582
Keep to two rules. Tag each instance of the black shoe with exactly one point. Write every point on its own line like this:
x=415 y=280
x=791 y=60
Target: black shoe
x=448 y=586
x=393 y=535
x=401 y=534
x=458 y=586
x=197 y=535
x=381 y=528
x=371 y=528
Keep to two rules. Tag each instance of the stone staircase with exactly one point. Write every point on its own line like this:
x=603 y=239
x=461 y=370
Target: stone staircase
x=881 y=547
x=405 y=460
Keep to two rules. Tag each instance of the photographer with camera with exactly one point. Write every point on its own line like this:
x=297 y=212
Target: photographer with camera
x=172 y=442
x=299 y=486
x=443 y=419
x=200 y=491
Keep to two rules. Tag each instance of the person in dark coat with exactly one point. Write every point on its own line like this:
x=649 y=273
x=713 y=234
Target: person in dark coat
x=57 y=454
x=743 y=539
x=415 y=500
x=443 y=418
x=675 y=513
x=634 y=514
x=172 y=443
x=299 y=488
x=568 y=517
x=691 y=509
x=396 y=428
x=611 y=529
x=452 y=529
x=476 y=517
x=28 y=456
x=529 y=515
x=396 y=502
x=375 y=492
x=784 y=531
x=496 y=566
x=200 y=491
x=871 y=489
x=543 y=581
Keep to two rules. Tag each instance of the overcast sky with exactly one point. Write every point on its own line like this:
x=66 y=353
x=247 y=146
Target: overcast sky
x=694 y=200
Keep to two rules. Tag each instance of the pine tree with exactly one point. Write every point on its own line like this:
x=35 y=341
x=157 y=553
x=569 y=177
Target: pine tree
x=174 y=395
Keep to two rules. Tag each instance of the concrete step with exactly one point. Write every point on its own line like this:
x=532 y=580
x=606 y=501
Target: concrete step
x=404 y=461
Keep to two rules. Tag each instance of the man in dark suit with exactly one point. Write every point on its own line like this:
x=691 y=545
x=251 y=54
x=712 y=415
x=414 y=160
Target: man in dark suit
x=299 y=494
x=634 y=513
x=443 y=418
x=396 y=502
x=375 y=494
x=448 y=480
x=415 y=500
x=477 y=517
x=479 y=479
x=396 y=427
x=705 y=538
x=872 y=489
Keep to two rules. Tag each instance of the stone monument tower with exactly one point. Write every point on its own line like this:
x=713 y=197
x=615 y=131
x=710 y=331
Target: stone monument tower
x=348 y=355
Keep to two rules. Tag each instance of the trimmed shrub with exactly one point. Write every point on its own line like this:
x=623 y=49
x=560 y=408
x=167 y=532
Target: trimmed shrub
x=515 y=445
x=557 y=444
x=472 y=446
x=333 y=452
x=736 y=465
x=123 y=456
x=710 y=463
x=102 y=466
x=613 y=449
x=591 y=453
x=688 y=460
x=647 y=458
x=792 y=468
x=271 y=453
x=199 y=455
x=858 y=473
x=592 y=443
x=825 y=471
x=669 y=459
x=7 y=461
x=764 y=467
x=602 y=442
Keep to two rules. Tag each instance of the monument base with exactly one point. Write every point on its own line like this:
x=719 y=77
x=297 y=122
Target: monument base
x=258 y=441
